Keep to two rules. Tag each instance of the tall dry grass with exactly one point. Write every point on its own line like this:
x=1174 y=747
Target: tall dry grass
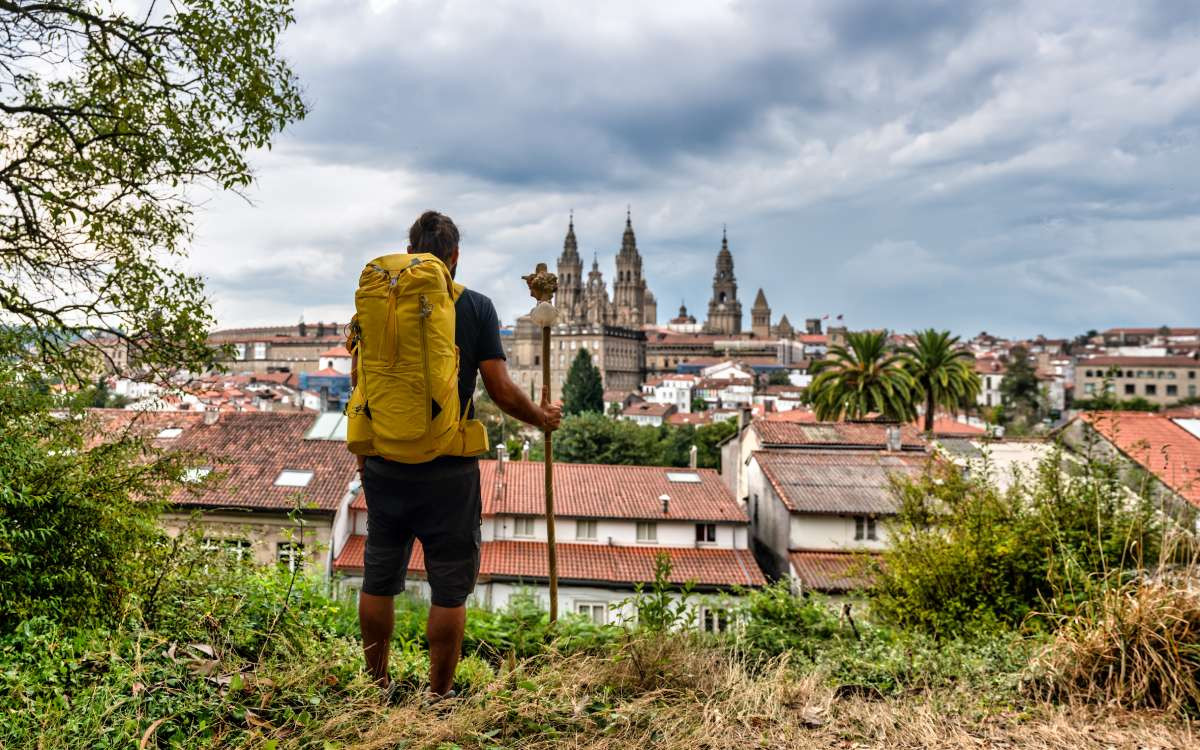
x=1133 y=643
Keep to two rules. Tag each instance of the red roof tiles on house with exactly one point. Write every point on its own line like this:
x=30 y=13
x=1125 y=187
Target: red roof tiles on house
x=249 y=451
x=774 y=433
x=831 y=572
x=837 y=481
x=337 y=351
x=1160 y=446
x=597 y=563
x=680 y=418
x=611 y=491
x=648 y=409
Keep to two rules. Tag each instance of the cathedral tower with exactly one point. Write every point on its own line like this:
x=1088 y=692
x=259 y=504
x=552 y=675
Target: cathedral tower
x=595 y=296
x=569 y=299
x=760 y=317
x=724 y=310
x=629 y=290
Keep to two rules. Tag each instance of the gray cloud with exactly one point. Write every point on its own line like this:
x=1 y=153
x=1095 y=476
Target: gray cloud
x=1021 y=168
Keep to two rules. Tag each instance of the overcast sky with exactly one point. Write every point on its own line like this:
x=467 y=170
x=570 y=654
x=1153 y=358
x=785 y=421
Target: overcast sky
x=1022 y=170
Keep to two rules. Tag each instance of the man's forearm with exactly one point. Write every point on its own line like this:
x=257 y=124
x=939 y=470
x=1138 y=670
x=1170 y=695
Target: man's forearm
x=513 y=402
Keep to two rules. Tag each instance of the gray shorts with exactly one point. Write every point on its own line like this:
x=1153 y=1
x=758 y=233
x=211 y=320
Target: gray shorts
x=438 y=503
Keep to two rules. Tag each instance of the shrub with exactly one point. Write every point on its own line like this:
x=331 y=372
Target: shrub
x=774 y=621
x=77 y=516
x=965 y=557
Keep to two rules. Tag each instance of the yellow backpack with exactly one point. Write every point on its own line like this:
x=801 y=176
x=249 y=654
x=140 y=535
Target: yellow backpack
x=405 y=404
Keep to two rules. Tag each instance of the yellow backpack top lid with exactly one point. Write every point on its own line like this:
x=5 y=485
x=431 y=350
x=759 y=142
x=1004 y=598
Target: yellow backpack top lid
x=405 y=405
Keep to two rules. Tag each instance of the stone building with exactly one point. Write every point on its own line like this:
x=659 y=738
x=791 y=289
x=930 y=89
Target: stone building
x=586 y=301
x=724 y=309
x=760 y=317
x=619 y=353
x=295 y=348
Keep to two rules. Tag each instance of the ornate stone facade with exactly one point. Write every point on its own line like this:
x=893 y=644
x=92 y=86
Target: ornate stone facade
x=586 y=302
x=724 y=309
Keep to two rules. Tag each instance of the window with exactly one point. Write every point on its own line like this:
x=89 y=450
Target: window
x=597 y=612
x=1172 y=390
x=290 y=554
x=293 y=478
x=713 y=620
x=239 y=549
x=585 y=529
x=1191 y=374
x=706 y=532
x=1088 y=373
x=1130 y=390
x=260 y=350
x=1089 y=388
x=523 y=526
x=1151 y=389
x=170 y=433
x=647 y=531
x=194 y=475
x=1191 y=391
x=864 y=528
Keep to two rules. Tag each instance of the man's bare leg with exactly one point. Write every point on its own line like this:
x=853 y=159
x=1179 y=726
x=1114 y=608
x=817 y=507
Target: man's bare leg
x=445 y=634
x=376 y=619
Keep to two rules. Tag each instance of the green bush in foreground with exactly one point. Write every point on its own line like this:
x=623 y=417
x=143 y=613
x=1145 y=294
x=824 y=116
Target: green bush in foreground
x=965 y=557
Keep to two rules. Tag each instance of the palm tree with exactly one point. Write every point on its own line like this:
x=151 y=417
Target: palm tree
x=865 y=376
x=942 y=371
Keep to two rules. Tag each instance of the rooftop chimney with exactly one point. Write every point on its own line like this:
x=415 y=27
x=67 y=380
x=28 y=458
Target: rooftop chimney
x=525 y=451
x=666 y=503
x=211 y=415
x=692 y=457
x=501 y=457
x=892 y=436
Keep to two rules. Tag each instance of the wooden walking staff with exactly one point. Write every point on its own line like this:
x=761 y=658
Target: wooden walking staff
x=542 y=286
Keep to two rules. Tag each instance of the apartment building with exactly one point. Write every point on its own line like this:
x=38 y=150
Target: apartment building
x=1160 y=380
x=611 y=523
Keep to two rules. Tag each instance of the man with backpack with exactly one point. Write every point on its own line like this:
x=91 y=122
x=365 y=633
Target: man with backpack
x=417 y=341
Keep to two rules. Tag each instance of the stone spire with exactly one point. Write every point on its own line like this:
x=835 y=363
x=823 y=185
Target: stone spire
x=724 y=310
x=629 y=289
x=569 y=298
x=760 y=316
x=784 y=330
x=596 y=307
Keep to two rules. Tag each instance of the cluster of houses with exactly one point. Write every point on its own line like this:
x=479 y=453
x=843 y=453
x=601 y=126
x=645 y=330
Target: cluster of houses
x=794 y=498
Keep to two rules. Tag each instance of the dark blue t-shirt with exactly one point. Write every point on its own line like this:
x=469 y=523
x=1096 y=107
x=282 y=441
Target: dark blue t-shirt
x=477 y=334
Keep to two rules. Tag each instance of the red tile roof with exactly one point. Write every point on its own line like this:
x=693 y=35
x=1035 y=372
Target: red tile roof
x=610 y=491
x=831 y=572
x=689 y=418
x=337 y=351
x=846 y=434
x=1160 y=446
x=837 y=481
x=706 y=566
x=648 y=409
x=947 y=427
x=328 y=372
x=250 y=450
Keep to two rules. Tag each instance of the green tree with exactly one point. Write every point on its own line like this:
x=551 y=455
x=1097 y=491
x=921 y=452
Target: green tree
x=942 y=371
x=77 y=514
x=109 y=122
x=583 y=390
x=1019 y=387
x=863 y=377
x=779 y=377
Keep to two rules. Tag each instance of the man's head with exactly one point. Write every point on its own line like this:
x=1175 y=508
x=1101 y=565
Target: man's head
x=435 y=233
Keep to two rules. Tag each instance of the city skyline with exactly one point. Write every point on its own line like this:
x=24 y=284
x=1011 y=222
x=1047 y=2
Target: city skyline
x=1021 y=171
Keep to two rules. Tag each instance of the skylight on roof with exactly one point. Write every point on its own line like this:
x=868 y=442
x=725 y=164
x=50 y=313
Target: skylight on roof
x=683 y=476
x=196 y=474
x=327 y=426
x=293 y=478
x=170 y=433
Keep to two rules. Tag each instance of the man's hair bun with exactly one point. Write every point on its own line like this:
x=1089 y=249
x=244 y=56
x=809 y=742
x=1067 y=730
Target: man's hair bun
x=429 y=221
x=435 y=233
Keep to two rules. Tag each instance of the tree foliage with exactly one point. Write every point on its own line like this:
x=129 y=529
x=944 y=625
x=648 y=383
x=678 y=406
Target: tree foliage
x=1019 y=387
x=964 y=556
x=110 y=125
x=77 y=515
x=863 y=377
x=942 y=371
x=592 y=438
x=583 y=390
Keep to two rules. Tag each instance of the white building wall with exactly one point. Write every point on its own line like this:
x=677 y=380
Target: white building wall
x=770 y=524
x=831 y=532
x=620 y=532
